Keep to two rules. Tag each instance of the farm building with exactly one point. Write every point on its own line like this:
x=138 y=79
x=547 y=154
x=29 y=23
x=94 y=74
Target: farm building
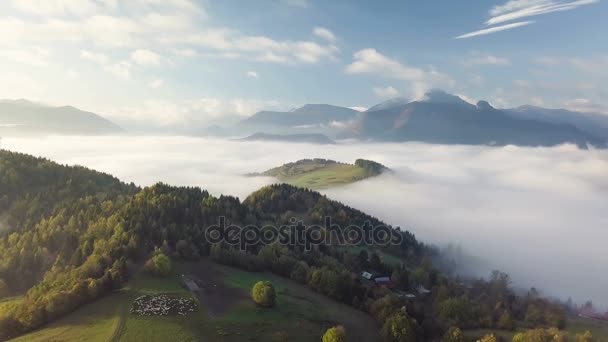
x=384 y=282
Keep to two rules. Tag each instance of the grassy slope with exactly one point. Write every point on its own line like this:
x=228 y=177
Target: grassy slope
x=333 y=175
x=108 y=319
x=301 y=314
x=576 y=325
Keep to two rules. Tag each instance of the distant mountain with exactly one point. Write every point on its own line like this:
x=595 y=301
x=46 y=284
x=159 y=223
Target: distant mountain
x=593 y=123
x=311 y=117
x=392 y=103
x=447 y=119
x=291 y=138
x=24 y=117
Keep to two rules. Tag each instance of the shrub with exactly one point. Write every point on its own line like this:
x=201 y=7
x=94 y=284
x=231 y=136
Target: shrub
x=263 y=294
x=454 y=334
x=159 y=265
x=335 y=334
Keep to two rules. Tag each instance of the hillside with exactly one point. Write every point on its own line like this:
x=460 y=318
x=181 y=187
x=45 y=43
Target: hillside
x=225 y=319
x=446 y=119
x=323 y=173
x=22 y=117
x=86 y=245
x=290 y=138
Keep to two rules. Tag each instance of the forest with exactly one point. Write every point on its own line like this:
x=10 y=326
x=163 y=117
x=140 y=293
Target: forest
x=70 y=235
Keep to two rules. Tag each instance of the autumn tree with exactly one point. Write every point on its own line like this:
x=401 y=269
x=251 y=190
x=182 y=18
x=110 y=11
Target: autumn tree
x=263 y=294
x=335 y=334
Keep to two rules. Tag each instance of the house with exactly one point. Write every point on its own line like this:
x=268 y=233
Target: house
x=366 y=275
x=384 y=282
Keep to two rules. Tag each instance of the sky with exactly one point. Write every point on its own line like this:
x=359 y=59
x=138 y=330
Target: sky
x=162 y=63
x=537 y=213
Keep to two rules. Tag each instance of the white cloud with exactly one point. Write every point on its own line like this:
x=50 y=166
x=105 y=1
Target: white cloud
x=518 y=9
x=165 y=25
x=371 y=61
x=478 y=58
x=387 y=92
x=33 y=56
x=121 y=70
x=145 y=57
x=358 y=108
x=594 y=65
x=586 y=105
x=467 y=99
x=95 y=57
x=189 y=114
x=324 y=33
x=157 y=83
x=494 y=29
x=72 y=74
x=56 y=7
x=252 y=74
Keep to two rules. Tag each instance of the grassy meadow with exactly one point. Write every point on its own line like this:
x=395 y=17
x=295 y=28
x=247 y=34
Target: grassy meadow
x=300 y=314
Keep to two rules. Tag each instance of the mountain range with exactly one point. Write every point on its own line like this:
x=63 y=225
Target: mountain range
x=440 y=118
x=22 y=117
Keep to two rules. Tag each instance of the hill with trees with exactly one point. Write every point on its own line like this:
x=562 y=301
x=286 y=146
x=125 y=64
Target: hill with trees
x=323 y=173
x=88 y=233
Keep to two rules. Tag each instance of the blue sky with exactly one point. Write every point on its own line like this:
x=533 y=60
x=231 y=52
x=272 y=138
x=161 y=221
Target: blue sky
x=170 y=62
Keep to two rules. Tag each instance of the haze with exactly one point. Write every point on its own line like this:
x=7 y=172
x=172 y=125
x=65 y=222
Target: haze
x=538 y=213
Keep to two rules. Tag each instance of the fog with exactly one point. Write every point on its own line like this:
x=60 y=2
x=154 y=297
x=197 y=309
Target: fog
x=540 y=214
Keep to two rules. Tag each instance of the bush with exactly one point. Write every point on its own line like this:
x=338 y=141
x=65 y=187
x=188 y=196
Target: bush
x=454 y=334
x=263 y=294
x=335 y=334
x=159 y=265
x=506 y=322
x=399 y=328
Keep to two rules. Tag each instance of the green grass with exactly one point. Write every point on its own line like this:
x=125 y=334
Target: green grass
x=578 y=325
x=334 y=175
x=8 y=304
x=93 y=322
x=300 y=315
x=575 y=325
x=108 y=319
x=318 y=173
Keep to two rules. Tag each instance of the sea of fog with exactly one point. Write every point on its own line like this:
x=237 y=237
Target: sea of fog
x=540 y=214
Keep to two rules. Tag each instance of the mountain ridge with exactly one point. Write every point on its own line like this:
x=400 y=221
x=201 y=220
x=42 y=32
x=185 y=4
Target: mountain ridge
x=27 y=117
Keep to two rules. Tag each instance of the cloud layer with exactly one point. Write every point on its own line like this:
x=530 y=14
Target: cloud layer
x=537 y=213
x=519 y=9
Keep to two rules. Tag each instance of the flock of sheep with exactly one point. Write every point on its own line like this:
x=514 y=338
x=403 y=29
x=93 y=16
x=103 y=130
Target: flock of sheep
x=162 y=305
